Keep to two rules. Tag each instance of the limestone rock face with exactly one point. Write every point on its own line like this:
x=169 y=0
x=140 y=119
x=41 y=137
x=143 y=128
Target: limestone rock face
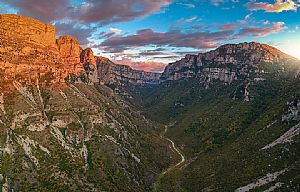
x=111 y=73
x=225 y=63
x=69 y=49
x=88 y=60
x=29 y=51
x=87 y=57
x=26 y=29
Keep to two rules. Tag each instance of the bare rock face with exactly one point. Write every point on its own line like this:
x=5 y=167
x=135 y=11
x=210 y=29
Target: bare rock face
x=30 y=51
x=16 y=27
x=225 y=63
x=69 y=49
x=88 y=60
x=111 y=73
x=87 y=57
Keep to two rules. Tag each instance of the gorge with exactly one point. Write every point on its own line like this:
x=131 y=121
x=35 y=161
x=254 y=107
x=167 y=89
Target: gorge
x=224 y=120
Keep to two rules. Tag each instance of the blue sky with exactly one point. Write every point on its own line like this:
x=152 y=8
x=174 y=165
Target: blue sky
x=147 y=34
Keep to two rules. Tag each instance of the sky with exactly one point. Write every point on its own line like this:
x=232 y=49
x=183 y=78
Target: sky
x=148 y=34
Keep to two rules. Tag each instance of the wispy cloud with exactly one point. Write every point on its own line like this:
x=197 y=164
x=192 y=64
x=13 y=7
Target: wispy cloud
x=218 y=2
x=115 y=30
x=261 y=31
x=187 y=5
x=228 y=26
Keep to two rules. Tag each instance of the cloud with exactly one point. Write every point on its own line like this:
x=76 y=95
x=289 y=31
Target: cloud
x=248 y=16
x=81 y=32
x=228 y=26
x=176 y=26
x=196 y=26
x=109 y=11
x=152 y=53
x=218 y=2
x=149 y=66
x=187 y=5
x=278 y=6
x=191 y=19
x=115 y=30
x=104 y=11
x=44 y=10
x=261 y=31
x=175 y=38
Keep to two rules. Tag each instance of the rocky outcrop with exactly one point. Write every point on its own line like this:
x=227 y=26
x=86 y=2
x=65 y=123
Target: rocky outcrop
x=111 y=73
x=69 y=49
x=225 y=63
x=88 y=60
x=87 y=57
x=293 y=112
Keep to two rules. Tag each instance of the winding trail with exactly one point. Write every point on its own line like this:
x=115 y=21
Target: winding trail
x=175 y=149
x=172 y=167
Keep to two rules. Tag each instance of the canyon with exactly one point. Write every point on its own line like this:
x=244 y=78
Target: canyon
x=224 y=120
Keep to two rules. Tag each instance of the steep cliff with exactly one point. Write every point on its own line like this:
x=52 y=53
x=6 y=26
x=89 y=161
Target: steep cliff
x=69 y=49
x=226 y=63
x=29 y=50
x=14 y=27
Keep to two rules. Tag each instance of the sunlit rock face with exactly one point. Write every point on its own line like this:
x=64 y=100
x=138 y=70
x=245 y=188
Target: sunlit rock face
x=69 y=49
x=29 y=51
x=26 y=29
x=87 y=57
x=225 y=63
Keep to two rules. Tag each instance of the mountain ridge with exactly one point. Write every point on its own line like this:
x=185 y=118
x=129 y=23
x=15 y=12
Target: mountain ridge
x=213 y=63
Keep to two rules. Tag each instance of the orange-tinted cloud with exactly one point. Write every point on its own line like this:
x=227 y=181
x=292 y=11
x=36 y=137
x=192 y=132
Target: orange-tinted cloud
x=261 y=31
x=228 y=26
x=278 y=6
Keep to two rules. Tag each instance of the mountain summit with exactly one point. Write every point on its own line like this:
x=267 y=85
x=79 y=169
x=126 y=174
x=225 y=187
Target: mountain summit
x=225 y=63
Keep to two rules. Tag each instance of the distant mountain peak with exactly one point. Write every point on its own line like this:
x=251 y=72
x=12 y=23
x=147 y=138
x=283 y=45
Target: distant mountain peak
x=214 y=62
x=255 y=47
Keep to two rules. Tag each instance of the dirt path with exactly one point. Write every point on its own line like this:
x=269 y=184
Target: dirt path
x=175 y=149
x=172 y=167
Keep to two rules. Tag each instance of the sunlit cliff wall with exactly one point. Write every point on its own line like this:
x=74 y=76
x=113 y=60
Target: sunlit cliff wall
x=26 y=29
